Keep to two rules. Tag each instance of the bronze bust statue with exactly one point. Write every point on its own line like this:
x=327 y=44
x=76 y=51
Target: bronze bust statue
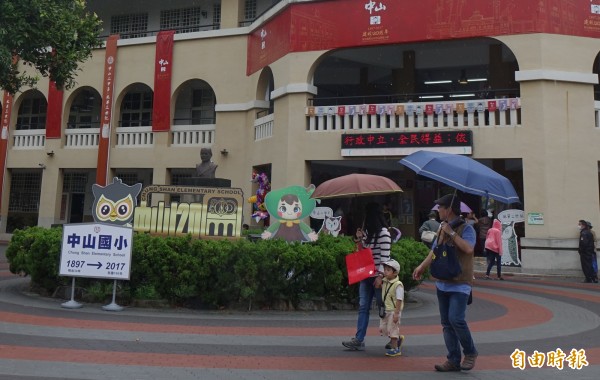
x=207 y=168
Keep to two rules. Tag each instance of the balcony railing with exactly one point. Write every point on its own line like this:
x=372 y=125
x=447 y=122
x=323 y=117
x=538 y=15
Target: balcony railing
x=405 y=116
x=29 y=139
x=150 y=33
x=202 y=135
x=263 y=127
x=82 y=138
x=135 y=137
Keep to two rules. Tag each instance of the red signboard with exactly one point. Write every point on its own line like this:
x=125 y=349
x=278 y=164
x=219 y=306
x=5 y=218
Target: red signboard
x=7 y=104
x=108 y=86
x=161 y=106
x=407 y=140
x=54 y=113
x=335 y=24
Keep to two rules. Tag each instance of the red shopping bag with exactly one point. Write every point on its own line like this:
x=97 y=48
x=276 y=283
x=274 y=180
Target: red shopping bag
x=360 y=265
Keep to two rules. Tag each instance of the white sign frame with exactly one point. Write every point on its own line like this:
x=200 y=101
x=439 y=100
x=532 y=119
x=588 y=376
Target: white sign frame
x=96 y=250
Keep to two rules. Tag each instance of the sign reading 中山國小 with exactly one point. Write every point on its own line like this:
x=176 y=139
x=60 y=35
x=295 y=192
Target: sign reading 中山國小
x=96 y=250
x=369 y=144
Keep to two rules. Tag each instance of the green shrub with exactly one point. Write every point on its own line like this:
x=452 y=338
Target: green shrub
x=214 y=273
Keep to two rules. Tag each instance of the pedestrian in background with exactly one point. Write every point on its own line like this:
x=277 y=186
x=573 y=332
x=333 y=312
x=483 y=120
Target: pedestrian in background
x=594 y=256
x=586 y=251
x=484 y=223
x=493 y=249
x=376 y=236
x=431 y=225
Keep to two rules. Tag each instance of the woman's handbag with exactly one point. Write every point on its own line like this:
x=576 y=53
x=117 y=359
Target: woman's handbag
x=360 y=265
x=428 y=236
x=444 y=263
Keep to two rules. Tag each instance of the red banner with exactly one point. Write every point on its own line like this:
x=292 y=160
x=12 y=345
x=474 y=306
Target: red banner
x=7 y=103
x=326 y=25
x=54 y=113
x=106 y=114
x=161 y=112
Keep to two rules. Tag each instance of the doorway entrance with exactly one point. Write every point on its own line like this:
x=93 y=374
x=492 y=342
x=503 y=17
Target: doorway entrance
x=76 y=208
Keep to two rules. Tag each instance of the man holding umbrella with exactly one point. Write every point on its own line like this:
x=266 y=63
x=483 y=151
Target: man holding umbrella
x=453 y=295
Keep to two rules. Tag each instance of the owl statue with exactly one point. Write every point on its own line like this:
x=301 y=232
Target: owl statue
x=114 y=203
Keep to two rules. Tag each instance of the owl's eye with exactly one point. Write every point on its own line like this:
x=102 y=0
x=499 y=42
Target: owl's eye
x=105 y=210
x=124 y=208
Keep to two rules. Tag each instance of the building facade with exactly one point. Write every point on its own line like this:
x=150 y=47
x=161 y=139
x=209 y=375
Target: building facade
x=304 y=90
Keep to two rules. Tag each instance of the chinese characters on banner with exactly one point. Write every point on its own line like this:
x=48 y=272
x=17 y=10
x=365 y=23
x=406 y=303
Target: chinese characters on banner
x=161 y=110
x=5 y=124
x=106 y=114
x=407 y=140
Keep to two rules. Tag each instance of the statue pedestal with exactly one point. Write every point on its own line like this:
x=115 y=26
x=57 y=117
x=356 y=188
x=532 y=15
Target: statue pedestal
x=206 y=182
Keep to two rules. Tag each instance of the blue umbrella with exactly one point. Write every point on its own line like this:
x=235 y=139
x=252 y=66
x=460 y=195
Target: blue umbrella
x=462 y=173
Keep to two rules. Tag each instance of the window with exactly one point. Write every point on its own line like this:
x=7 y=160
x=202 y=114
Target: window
x=84 y=109
x=25 y=188
x=136 y=110
x=75 y=182
x=128 y=178
x=32 y=113
x=250 y=10
x=129 y=26
x=203 y=106
x=216 y=16
x=185 y=20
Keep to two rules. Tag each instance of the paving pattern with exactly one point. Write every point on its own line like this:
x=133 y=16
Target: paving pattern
x=524 y=314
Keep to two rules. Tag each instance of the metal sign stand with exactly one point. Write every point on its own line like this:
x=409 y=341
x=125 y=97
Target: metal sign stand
x=113 y=305
x=72 y=304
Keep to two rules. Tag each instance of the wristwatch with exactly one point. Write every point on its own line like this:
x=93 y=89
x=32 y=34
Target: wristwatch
x=453 y=234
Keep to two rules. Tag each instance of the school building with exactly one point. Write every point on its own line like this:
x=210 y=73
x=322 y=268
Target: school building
x=307 y=90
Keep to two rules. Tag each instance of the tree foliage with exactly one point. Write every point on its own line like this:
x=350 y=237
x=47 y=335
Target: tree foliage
x=52 y=36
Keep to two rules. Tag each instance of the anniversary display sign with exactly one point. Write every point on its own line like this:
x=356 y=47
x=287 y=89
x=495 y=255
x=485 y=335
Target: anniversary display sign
x=204 y=212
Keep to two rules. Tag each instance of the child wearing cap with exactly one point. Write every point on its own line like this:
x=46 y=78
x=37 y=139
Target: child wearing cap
x=393 y=297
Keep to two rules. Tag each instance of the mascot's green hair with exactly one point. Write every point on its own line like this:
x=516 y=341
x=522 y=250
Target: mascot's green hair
x=308 y=204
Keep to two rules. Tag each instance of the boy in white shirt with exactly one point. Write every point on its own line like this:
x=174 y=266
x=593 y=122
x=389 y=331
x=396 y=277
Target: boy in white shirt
x=393 y=298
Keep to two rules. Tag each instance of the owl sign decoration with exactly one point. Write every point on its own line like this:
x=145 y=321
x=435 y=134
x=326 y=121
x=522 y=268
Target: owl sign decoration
x=114 y=203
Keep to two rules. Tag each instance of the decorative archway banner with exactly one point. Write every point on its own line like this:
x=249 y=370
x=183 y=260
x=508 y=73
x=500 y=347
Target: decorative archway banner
x=335 y=24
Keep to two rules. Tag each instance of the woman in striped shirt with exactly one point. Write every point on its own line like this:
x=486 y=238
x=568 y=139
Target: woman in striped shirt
x=376 y=236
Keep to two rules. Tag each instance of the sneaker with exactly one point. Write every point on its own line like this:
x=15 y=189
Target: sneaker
x=388 y=346
x=501 y=278
x=448 y=366
x=354 y=344
x=487 y=277
x=393 y=352
x=400 y=341
x=468 y=362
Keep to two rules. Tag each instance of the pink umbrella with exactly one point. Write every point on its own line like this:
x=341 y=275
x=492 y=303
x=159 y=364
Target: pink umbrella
x=463 y=208
x=353 y=185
